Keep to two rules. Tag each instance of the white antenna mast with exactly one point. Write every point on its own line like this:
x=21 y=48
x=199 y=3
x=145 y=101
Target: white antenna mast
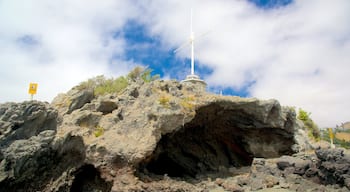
x=192 y=78
x=192 y=45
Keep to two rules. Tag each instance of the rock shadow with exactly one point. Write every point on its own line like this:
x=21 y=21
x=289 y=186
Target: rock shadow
x=216 y=140
x=88 y=179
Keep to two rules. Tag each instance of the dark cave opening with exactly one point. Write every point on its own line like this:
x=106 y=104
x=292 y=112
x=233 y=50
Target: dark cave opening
x=196 y=151
x=88 y=179
x=166 y=165
x=215 y=140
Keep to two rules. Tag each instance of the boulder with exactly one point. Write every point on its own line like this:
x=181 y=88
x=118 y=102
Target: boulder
x=31 y=154
x=334 y=166
x=305 y=171
x=106 y=106
x=72 y=100
x=24 y=120
x=24 y=158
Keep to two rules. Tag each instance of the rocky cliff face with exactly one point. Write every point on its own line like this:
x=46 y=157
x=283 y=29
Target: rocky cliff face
x=31 y=157
x=157 y=136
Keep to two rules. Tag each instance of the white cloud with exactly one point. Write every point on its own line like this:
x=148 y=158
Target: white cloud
x=298 y=54
x=59 y=44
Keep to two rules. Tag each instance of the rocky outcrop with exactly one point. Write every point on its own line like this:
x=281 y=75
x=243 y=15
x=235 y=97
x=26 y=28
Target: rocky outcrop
x=324 y=170
x=24 y=120
x=74 y=99
x=31 y=155
x=333 y=167
x=157 y=136
x=161 y=114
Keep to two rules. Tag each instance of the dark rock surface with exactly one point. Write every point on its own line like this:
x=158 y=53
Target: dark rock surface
x=160 y=136
x=306 y=171
x=24 y=120
x=31 y=156
x=224 y=134
x=74 y=99
x=333 y=167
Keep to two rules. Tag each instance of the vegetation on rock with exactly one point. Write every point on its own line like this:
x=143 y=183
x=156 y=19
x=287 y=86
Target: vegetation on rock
x=102 y=85
x=188 y=102
x=164 y=100
x=142 y=73
x=147 y=135
x=99 y=131
x=310 y=125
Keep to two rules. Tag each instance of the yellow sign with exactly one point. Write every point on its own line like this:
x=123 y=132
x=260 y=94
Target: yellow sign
x=32 y=88
x=331 y=135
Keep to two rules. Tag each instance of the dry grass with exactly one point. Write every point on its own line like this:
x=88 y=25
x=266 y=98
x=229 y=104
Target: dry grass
x=164 y=100
x=188 y=102
x=343 y=136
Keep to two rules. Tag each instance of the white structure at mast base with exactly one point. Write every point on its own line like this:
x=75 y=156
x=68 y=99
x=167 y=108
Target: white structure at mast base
x=199 y=84
x=192 y=79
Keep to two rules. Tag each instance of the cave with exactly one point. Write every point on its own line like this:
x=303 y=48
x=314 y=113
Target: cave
x=215 y=139
x=88 y=179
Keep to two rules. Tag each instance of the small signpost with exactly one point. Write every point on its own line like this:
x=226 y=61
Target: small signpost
x=331 y=136
x=32 y=89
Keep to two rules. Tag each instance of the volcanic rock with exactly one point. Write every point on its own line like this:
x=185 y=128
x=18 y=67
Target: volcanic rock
x=159 y=136
x=24 y=120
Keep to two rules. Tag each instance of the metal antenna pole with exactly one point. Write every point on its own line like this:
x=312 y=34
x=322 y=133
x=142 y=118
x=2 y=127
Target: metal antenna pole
x=192 y=47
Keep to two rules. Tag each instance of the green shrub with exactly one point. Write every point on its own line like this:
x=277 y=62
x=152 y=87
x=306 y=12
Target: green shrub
x=102 y=86
x=142 y=73
x=91 y=83
x=325 y=135
x=312 y=128
x=303 y=115
x=111 y=86
x=135 y=73
x=147 y=77
x=99 y=131
x=341 y=143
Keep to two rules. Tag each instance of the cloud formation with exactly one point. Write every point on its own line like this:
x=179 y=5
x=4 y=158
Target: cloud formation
x=59 y=43
x=297 y=53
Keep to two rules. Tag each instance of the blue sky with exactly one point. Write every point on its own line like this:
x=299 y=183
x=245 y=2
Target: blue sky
x=164 y=62
x=270 y=4
x=294 y=51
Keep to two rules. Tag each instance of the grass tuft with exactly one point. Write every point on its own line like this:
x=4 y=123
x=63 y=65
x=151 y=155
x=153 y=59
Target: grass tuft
x=99 y=131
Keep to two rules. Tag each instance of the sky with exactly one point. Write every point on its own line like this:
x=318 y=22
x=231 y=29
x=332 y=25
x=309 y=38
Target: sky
x=295 y=51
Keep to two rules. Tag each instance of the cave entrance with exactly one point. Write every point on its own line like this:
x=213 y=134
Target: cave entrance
x=88 y=179
x=216 y=139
